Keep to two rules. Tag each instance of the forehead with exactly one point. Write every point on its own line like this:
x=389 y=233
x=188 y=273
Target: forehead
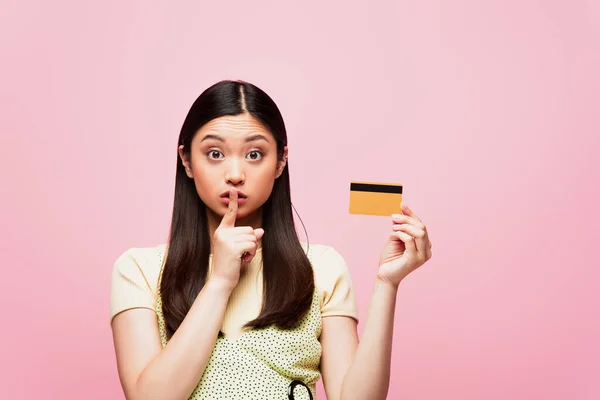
x=235 y=126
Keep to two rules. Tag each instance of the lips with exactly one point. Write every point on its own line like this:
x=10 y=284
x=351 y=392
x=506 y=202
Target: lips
x=240 y=195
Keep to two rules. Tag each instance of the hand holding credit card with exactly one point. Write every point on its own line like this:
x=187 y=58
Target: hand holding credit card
x=371 y=198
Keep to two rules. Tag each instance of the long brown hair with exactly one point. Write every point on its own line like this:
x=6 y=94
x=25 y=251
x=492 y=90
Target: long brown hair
x=287 y=274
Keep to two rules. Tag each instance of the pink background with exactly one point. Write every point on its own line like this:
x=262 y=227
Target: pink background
x=487 y=112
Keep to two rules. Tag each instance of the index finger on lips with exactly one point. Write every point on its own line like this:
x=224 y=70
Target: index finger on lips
x=229 y=217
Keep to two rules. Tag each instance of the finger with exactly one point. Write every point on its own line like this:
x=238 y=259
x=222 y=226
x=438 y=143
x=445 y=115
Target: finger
x=409 y=242
x=259 y=233
x=245 y=230
x=249 y=251
x=420 y=236
x=401 y=218
x=407 y=211
x=242 y=230
x=246 y=238
x=249 y=255
x=229 y=217
x=411 y=230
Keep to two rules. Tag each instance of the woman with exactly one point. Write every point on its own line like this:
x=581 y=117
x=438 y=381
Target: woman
x=235 y=306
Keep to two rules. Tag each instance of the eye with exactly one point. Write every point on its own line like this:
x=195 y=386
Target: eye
x=254 y=155
x=214 y=154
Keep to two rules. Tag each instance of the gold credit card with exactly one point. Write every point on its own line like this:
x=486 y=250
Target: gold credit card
x=370 y=198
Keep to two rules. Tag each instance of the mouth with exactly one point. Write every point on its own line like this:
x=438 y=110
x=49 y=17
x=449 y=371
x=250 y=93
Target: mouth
x=241 y=198
x=240 y=195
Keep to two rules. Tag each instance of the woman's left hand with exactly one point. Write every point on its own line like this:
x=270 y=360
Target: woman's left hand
x=407 y=249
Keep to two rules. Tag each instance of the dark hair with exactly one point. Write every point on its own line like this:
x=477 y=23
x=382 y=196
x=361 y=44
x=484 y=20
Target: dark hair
x=287 y=274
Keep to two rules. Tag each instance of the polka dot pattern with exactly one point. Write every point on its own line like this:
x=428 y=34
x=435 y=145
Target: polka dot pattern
x=260 y=364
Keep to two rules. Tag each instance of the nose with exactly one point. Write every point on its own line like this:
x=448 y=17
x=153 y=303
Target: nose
x=234 y=175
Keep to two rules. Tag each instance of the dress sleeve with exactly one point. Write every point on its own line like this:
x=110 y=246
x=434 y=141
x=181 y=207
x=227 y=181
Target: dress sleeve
x=130 y=287
x=333 y=280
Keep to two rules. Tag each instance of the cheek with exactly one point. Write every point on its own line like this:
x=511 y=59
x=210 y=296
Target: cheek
x=203 y=182
x=265 y=183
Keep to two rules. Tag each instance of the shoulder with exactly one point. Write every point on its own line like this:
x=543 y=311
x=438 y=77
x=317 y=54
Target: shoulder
x=323 y=256
x=332 y=280
x=134 y=282
x=325 y=259
x=329 y=266
x=140 y=265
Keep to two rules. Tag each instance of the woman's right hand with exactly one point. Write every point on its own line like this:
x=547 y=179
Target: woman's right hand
x=232 y=245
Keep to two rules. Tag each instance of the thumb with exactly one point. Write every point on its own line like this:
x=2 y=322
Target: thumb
x=228 y=220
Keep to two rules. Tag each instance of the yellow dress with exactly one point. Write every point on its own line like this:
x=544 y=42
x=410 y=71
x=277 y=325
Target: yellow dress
x=256 y=364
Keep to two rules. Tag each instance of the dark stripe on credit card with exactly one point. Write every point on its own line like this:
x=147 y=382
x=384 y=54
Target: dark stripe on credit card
x=368 y=187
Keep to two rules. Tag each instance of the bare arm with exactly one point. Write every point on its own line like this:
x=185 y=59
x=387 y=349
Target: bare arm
x=367 y=375
x=147 y=371
x=339 y=341
x=360 y=370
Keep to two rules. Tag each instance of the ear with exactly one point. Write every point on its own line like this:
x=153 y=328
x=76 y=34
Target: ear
x=282 y=163
x=185 y=159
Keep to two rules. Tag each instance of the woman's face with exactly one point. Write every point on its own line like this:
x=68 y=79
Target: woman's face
x=234 y=151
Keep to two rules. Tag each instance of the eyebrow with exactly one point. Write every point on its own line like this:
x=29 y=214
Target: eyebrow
x=252 y=138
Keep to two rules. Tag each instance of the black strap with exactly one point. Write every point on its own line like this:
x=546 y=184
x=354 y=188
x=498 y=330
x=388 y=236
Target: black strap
x=293 y=385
